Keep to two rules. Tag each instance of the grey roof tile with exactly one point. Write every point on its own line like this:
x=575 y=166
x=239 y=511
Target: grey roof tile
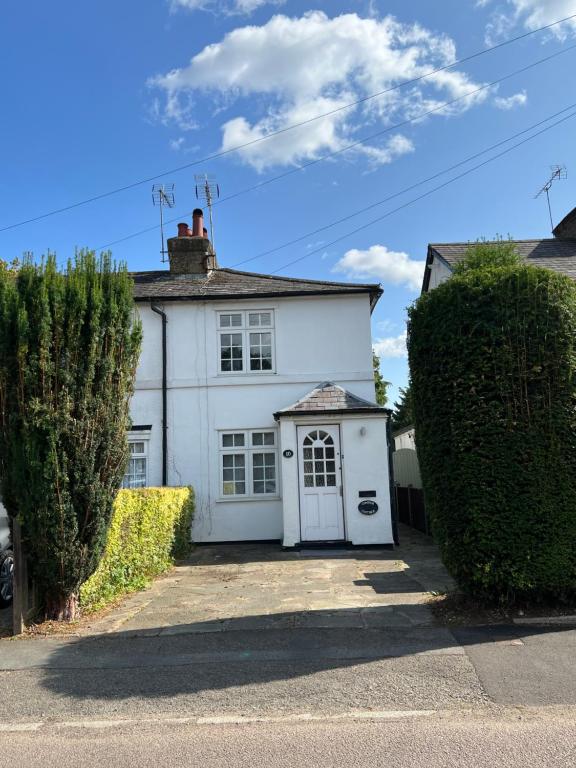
x=329 y=397
x=233 y=284
x=552 y=253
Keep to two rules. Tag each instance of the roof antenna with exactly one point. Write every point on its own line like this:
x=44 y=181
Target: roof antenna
x=163 y=195
x=558 y=172
x=207 y=189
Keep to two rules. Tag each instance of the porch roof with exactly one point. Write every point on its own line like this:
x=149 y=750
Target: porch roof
x=330 y=399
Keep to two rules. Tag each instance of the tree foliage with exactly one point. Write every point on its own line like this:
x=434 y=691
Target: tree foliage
x=69 y=346
x=403 y=415
x=379 y=382
x=493 y=363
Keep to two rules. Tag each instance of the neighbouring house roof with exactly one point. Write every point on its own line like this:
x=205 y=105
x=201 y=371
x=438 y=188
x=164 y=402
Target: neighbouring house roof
x=328 y=398
x=221 y=284
x=552 y=253
x=403 y=430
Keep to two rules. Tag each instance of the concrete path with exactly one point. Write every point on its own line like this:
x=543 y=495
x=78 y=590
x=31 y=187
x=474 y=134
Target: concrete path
x=247 y=586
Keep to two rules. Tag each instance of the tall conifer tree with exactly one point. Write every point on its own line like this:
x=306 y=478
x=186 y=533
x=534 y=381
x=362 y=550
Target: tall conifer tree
x=69 y=346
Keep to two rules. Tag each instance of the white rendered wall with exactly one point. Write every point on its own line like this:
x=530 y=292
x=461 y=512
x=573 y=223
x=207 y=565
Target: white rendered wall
x=405 y=440
x=363 y=445
x=439 y=273
x=316 y=339
x=365 y=467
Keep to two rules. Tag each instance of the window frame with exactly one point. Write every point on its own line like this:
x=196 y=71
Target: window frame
x=248 y=451
x=245 y=329
x=144 y=438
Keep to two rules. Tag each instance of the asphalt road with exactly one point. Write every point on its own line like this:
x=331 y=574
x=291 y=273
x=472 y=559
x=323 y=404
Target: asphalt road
x=279 y=672
x=493 y=739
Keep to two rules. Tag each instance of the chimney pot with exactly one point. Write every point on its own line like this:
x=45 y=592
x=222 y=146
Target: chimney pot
x=184 y=230
x=197 y=223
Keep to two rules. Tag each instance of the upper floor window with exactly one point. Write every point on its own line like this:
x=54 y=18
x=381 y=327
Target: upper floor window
x=246 y=341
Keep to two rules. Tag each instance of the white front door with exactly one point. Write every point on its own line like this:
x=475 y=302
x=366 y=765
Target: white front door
x=320 y=475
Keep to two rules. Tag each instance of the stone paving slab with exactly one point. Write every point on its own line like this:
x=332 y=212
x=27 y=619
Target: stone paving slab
x=260 y=586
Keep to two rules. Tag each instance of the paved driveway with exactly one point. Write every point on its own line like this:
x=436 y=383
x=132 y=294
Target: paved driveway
x=247 y=586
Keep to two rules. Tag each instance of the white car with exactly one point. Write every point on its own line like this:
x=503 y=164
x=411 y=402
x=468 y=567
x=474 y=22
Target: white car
x=6 y=561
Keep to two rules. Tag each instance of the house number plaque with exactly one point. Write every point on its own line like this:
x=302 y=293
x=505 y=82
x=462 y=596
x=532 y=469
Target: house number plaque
x=368 y=507
x=288 y=453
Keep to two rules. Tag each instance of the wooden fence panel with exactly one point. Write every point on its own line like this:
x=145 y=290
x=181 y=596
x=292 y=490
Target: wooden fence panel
x=411 y=508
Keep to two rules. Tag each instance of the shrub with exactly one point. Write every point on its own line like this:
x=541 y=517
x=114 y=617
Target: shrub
x=69 y=346
x=150 y=527
x=493 y=361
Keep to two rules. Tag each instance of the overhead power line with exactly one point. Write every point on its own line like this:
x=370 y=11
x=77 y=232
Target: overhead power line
x=355 y=144
x=291 y=127
x=403 y=191
x=424 y=195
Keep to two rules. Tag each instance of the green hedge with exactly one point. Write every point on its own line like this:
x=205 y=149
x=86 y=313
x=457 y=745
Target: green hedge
x=150 y=527
x=493 y=362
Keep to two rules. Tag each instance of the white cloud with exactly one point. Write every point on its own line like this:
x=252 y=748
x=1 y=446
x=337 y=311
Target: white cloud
x=290 y=70
x=176 y=144
x=532 y=14
x=510 y=102
x=538 y=13
x=393 y=267
x=391 y=346
x=228 y=7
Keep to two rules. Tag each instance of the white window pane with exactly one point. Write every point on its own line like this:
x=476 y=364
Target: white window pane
x=140 y=466
x=136 y=446
x=135 y=476
x=264 y=472
x=231 y=355
x=260 y=319
x=260 y=351
x=231 y=321
x=233 y=440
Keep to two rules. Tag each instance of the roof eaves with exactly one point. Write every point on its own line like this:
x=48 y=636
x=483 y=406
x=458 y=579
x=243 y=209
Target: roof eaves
x=241 y=296
x=430 y=256
x=332 y=412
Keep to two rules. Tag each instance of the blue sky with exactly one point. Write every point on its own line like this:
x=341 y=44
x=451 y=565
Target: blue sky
x=97 y=96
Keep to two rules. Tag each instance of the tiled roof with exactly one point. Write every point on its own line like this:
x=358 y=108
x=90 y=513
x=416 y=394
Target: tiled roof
x=232 y=284
x=330 y=398
x=552 y=253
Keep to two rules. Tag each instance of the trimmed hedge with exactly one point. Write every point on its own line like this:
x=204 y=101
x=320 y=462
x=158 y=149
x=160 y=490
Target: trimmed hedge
x=150 y=527
x=493 y=361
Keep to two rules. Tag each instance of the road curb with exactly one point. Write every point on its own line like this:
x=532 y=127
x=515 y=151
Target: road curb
x=535 y=620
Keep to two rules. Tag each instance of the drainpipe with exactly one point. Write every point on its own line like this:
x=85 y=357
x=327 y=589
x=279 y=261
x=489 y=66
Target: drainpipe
x=164 y=396
x=393 y=505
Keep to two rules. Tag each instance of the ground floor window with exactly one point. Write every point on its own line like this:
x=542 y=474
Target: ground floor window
x=248 y=463
x=136 y=475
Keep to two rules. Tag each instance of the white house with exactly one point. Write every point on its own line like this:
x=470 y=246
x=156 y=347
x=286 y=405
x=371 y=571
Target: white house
x=557 y=253
x=258 y=391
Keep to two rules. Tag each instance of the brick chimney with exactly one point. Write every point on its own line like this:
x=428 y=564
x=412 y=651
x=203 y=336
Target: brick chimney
x=191 y=252
x=566 y=229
